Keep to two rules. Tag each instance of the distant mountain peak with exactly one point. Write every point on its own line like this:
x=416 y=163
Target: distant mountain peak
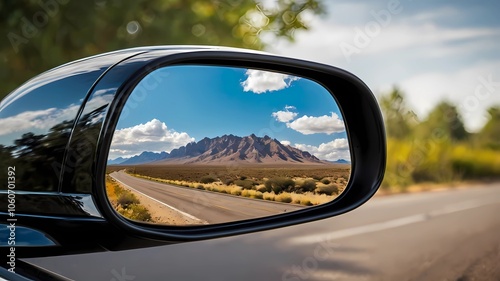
x=145 y=157
x=249 y=149
x=341 y=161
x=227 y=148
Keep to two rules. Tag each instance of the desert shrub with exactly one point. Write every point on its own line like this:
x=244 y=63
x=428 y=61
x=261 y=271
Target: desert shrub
x=208 y=179
x=245 y=193
x=229 y=182
x=200 y=187
x=223 y=191
x=305 y=202
x=136 y=212
x=325 y=181
x=308 y=185
x=214 y=189
x=243 y=178
x=252 y=194
x=285 y=198
x=317 y=177
x=236 y=192
x=126 y=198
x=269 y=185
x=268 y=196
x=328 y=189
x=246 y=184
x=278 y=185
x=118 y=189
x=263 y=188
x=257 y=195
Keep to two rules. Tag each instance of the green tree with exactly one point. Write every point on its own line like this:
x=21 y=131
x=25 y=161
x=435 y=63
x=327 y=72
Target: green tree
x=490 y=134
x=41 y=34
x=443 y=122
x=399 y=119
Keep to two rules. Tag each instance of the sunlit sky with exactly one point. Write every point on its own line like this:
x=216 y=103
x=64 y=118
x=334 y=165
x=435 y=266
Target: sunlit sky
x=177 y=105
x=432 y=50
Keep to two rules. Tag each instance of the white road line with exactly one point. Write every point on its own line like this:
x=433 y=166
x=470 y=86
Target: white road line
x=165 y=204
x=315 y=238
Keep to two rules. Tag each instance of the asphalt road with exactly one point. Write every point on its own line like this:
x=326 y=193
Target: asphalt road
x=204 y=206
x=446 y=235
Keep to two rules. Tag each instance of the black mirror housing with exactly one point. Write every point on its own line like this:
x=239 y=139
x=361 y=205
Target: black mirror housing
x=72 y=208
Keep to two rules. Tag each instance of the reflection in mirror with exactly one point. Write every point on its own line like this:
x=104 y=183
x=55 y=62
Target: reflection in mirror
x=210 y=144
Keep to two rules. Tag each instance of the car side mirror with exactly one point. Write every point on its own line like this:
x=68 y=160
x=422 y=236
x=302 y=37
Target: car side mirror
x=207 y=144
x=182 y=143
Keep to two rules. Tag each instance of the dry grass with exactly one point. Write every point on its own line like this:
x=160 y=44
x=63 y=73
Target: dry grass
x=125 y=202
x=306 y=198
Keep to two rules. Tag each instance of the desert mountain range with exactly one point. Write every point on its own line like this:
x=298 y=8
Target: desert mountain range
x=228 y=148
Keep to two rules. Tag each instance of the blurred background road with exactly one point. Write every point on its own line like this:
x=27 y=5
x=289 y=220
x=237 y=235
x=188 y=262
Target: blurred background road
x=444 y=235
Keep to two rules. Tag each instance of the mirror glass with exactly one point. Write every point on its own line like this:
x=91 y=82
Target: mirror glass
x=207 y=144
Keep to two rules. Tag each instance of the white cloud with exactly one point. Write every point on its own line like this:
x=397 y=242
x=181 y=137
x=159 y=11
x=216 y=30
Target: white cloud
x=26 y=120
x=472 y=89
x=308 y=125
x=37 y=120
x=45 y=119
x=436 y=14
x=285 y=142
x=419 y=33
x=284 y=116
x=334 y=150
x=152 y=136
x=441 y=39
x=259 y=81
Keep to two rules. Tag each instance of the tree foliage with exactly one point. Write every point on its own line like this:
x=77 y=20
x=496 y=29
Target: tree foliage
x=41 y=34
x=398 y=117
x=490 y=134
x=437 y=149
x=444 y=121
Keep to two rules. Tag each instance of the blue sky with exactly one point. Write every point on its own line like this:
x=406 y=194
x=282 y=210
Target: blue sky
x=176 y=105
x=432 y=50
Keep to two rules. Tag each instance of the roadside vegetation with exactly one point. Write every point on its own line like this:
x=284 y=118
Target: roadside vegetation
x=307 y=186
x=125 y=202
x=437 y=148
